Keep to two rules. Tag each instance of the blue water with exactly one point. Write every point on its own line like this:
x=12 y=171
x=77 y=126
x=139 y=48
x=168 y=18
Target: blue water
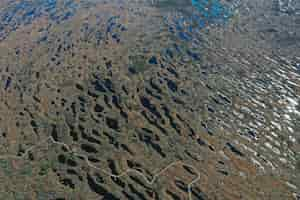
x=186 y=26
x=33 y=9
x=211 y=10
x=207 y=12
x=8 y=82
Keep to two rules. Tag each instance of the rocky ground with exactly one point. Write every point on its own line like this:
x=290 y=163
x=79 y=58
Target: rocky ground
x=91 y=89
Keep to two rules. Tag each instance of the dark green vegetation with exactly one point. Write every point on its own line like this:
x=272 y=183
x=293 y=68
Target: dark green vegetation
x=100 y=87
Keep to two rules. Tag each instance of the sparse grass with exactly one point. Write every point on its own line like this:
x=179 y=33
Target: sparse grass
x=26 y=170
x=298 y=162
x=138 y=63
x=44 y=168
x=5 y=166
x=298 y=165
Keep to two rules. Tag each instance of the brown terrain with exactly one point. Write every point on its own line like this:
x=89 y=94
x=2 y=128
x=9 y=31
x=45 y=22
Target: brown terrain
x=138 y=100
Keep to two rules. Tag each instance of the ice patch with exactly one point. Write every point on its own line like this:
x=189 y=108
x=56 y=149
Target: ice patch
x=292 y=105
